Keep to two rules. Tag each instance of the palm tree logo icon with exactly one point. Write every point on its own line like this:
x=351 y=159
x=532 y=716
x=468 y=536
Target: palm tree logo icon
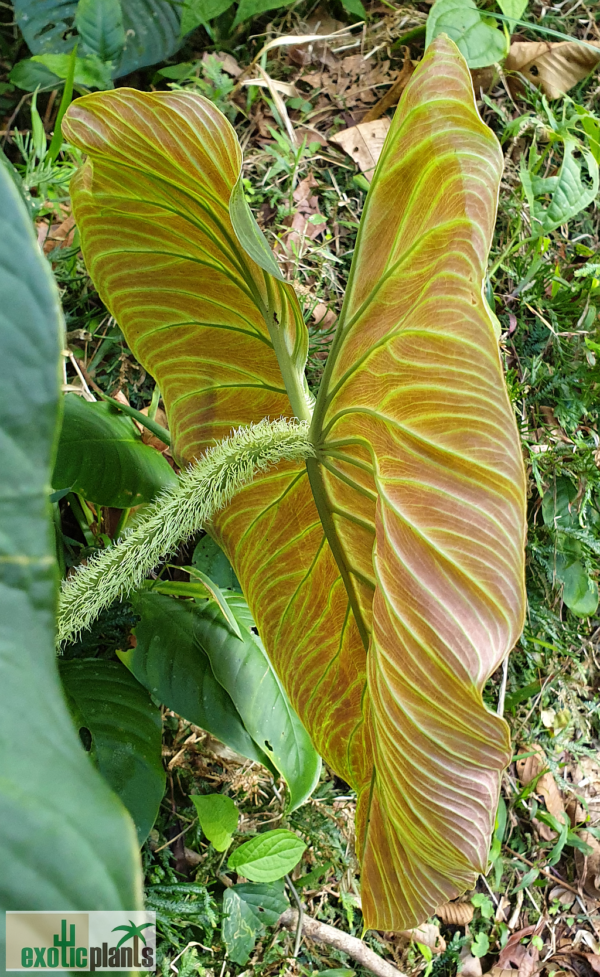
x=132 y=932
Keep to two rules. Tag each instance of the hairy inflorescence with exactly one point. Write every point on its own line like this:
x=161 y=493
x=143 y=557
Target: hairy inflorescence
x=204 y=489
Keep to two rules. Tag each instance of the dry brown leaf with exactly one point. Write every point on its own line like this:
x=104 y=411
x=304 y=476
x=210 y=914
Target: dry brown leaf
x=588 y=866
x=147 y=436
x=517 y=956
x=392 y=96
x=470 y=966
x=455 y=913
x=301 y=226
x=527 y=770
x=428 y=934
x=364 y=143
x=564 y=896
x=552 y=66
x=56 y=236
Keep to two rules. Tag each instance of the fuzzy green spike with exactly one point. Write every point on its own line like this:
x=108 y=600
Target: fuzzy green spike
x=204 y=489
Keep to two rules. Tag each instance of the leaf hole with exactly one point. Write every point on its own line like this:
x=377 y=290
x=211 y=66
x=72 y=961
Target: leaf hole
x=86 y=738
x=268 y=746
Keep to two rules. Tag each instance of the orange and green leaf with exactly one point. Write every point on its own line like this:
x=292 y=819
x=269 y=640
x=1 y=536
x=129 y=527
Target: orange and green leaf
x=152 y=203
x=386 y=575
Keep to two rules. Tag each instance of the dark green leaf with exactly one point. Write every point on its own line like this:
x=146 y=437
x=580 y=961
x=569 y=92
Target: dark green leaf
x=267 y=900
x=354 y=7
x=244 y=670
x=65 y=840
x=252 y=8
x=580 y=592
x=151 y=29
x=557 y=502
x=103 y=458
x=211 y=560
x=268 y=856
x=218 y=817
x=29 y=75
x=169 y=661
x=126 y=733
x=100 y=27
x=196 y=12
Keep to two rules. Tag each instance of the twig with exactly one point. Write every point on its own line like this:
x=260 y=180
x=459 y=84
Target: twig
x=545 y=871
x=355 y=948
x=176 y=838
x=298 y=939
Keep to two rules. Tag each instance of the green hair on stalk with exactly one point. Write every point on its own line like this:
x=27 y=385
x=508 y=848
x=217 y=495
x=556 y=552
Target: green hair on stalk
x=205 y=488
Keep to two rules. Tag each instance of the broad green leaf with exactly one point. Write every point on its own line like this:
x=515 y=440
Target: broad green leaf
x=565 y=195
x=102 y=457
x=66 y=841
x=196 y=12
x=239 y=928
x=99 y=24
x=218 y=817
x=210 y=558
x=151 y=29
x=266 y=900
x=126 y=730
x=389 y=586
x=169 y=661
x=244 y=670
x=247 y=909
x=214 y=347
x=478 y=40
x=268 y=856
x=29 y=75
x=556 y=505
x=580 y=593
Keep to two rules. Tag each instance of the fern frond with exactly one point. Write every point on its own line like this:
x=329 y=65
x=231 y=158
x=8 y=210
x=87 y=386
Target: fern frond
x=204 y=489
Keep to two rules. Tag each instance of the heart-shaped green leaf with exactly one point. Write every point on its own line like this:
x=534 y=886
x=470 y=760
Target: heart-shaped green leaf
x=218 y=817
x=268 y=856
x=478 y=40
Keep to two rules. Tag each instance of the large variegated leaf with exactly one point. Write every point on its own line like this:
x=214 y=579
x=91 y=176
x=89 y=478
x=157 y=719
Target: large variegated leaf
x=391 y=585
x=204 y=318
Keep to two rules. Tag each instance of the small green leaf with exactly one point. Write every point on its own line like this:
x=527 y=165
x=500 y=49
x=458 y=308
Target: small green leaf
x=484 y=904
x=268 y=856
x=100 y=27
x=249 y=233
x=355 y=7
x=580 y=592
x=479 y=41
x=90 y=72
x=218 y=817
x=570 y=191
x=513 y=9
x=126 y=730
x=556 y=504
x=527 y=879
x=196 y=12
x=480 y=945
x=240 y=927
x=102 y=457
x=252 y=8
x=29 y=75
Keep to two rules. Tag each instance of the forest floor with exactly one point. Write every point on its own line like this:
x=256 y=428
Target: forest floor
x=538 y=909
